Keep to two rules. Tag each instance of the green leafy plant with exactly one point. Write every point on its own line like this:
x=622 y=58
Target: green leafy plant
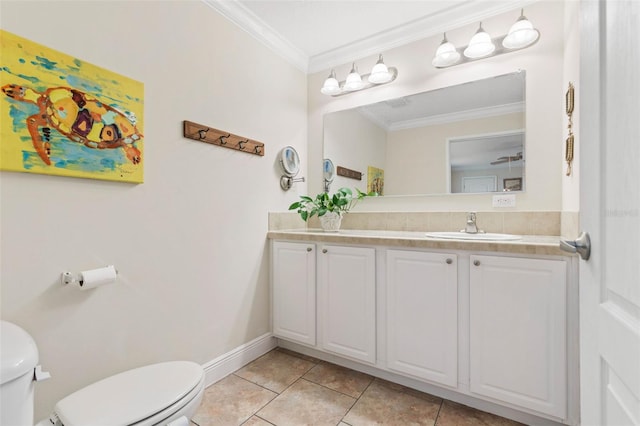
x=340 y=202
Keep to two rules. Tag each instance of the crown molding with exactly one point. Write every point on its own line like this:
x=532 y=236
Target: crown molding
x=235 y=12
x=454 y=17
x=471 y=114
x=470 y=12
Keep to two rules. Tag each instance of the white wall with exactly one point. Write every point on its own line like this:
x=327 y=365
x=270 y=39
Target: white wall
x=357 y=139
x=189 y=243
x=418 y=158
x=544 y=90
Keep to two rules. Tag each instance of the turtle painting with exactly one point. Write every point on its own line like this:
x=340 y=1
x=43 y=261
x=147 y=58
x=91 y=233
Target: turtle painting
x=80 y=117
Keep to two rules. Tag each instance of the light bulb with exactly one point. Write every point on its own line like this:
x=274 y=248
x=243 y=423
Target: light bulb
x=521 y=34
x=380 y=73
x=354 y=81
x=331 y=85
x=480 y=45
x=446 y=55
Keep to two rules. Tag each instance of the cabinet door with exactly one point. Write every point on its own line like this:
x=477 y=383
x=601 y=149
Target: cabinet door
x=294 y=291
x=518 y=332
x=422 y=315
x=347 y=305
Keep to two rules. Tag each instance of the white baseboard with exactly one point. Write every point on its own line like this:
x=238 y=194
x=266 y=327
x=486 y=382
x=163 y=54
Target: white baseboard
x=237 y=358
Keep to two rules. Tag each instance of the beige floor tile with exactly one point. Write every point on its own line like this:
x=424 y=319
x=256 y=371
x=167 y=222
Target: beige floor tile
x=385 y=403
x=306 y=403
x=299 y=355
x=275 y=370
x=231 y=401
x=256 y=421
x=453 y=414
x=340 y=379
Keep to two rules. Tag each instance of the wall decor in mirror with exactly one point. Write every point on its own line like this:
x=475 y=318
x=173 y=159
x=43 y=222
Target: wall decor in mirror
x=465 y=138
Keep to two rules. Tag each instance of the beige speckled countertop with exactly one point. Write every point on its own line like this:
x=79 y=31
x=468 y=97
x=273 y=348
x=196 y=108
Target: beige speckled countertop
x=528 y=244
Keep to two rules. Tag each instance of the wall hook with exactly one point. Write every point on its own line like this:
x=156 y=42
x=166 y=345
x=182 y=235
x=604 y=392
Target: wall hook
x=257 y=149
x=222 y=139
x=203 y=133
x=242 y=143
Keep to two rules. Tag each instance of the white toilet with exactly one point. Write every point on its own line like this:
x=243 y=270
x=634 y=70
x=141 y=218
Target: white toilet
x=167 y=393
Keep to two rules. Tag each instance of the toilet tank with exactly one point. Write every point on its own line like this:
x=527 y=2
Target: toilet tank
x=18 y=359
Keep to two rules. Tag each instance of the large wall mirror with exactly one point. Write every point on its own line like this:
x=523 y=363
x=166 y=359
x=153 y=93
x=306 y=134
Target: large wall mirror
x=467 y=138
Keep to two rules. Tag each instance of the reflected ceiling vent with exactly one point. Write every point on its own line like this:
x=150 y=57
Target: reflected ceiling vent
x=397 y=103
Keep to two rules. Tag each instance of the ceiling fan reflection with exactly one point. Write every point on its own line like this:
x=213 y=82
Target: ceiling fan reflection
x=507 y=159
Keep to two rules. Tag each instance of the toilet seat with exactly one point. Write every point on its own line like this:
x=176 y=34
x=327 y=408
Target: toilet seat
x=142 y=396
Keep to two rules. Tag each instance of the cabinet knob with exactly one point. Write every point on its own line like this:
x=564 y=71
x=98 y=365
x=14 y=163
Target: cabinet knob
x=476 y=262
x=449 y=261
x=324 y=250
x=309 y=249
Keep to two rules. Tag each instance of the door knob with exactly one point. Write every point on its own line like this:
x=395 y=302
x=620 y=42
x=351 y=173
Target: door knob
x=581 y=245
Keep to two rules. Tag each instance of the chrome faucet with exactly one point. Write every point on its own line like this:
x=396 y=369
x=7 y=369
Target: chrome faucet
x=471 y=227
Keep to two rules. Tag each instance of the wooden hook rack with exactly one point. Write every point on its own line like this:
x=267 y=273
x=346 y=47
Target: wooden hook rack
x=352 y=174
x=221 y=138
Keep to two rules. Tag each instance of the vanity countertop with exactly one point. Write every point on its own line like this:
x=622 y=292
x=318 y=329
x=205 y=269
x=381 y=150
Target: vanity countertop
x=528 y=244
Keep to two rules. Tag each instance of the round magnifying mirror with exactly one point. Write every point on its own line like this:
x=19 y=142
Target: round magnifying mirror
x=290 y=161
x=328 y=170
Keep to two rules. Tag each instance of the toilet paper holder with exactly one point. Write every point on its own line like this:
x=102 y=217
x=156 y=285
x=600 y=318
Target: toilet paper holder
x=98 y=276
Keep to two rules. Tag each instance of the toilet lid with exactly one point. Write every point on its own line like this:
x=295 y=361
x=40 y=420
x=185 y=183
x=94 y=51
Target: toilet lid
x=131 y=396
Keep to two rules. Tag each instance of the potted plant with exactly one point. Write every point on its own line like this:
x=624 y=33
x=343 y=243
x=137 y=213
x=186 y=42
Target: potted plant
x=329 y=208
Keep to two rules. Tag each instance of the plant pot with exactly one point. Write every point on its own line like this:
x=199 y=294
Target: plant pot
x=330 y=221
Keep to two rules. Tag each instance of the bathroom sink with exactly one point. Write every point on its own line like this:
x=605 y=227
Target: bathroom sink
x=488 y=236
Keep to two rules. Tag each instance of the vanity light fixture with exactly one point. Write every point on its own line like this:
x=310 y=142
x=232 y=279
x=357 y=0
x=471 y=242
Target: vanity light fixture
x=480 y=45
x=331 y=85
x=520 y=35
x=354 y=81
x=379 y=75
x=446 y=55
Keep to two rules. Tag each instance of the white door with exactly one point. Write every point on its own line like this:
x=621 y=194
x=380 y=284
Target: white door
x=479 y=184
x=609 y=141
x=347 y=301
x=422 y=315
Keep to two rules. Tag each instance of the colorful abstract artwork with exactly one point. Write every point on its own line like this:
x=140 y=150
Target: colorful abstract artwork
x=62 y=116
x=375 y=180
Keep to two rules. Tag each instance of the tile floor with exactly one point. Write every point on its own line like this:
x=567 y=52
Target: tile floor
x=285 y=388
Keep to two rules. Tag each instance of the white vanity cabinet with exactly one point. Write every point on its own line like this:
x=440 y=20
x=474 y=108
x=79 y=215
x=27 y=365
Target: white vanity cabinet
x=293 y=269
x=493 y=330
x=347 y=301
x=422 y=315
x=518 y=337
